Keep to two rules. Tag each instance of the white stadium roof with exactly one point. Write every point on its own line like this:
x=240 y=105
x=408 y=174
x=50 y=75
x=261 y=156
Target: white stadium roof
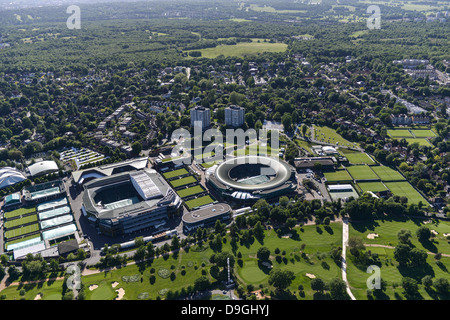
x=10 y=176
x=42 y=167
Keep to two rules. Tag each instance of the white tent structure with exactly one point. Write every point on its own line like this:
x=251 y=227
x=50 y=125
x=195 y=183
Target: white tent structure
x=42 y=167
x=10 y=176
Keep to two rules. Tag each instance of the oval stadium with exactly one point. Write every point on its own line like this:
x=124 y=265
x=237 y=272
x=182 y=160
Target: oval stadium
x=252 y=178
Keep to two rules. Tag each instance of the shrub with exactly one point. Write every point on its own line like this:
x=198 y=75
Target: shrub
x=164 y=273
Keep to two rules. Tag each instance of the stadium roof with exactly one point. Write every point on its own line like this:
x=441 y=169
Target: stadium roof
x=42 y=167
x=110 y=169
x=10 y=176
x=206 y=212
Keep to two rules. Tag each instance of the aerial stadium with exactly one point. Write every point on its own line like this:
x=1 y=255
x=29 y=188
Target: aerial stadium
x=249 y=178
x=129 y=202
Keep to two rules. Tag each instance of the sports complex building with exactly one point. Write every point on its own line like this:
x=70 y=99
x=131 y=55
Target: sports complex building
x=206 y=216
x=128 y=202
x=249 y=178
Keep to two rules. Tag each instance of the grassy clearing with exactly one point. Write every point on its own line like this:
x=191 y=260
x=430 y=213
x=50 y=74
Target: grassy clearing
x=329 y=135
x=243 y=49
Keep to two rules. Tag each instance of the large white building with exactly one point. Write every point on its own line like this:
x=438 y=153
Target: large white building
x=202 y=115
x=234 y=116
x=10 y=176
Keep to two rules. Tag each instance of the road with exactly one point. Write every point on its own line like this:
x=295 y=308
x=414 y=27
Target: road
x=344 y=261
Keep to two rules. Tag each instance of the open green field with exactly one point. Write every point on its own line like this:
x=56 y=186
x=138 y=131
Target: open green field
x=423 y=133
x=190 y=191
x=17 y=222
x=182 y=182
x=362 y=173
x=403 y=188
x=304 y=144
x=201 y=201
x=329 y=135
x=51 y=290
x=355 y=157
x=372 y=186
x=175 y=173
x=22 y=231
x=243 y=49
x=19 y=212
x=399 y=133
x=338 y=176
x=387 y=174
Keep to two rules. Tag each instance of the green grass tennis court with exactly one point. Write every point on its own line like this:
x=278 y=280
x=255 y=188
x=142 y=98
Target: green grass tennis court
x=201 y=201
x=182 y=182
x=372 y=186
x=356 y=157
x=175 y=173
x=404 y=189
x=21 y=221
x=423 y=133
x=420 y=141
x=362 y=173
x=21 y=231
x=190 y=191
x=399 y=133
x=19 y=212
x=387 y=174
x=338 y=175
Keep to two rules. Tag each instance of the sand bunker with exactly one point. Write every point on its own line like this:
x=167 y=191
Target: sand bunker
x=121 y=293
x=428 y=221
x=311 y=276
x=446 y=234
x=434 y=232
x=93 y=287
x=114 y=284
x=38 y=297
x=372 y=235
x=288 y=235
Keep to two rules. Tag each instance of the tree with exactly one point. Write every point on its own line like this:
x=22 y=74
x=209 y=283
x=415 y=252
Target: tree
x=442 y=285
x=355 y=246
x=136 y=148
x=338 y=289
x=201 y=283
x=291 y=222
x=423 y=234
x=258 y=230
x=404 y=236
x=281 y=279
x=318 y=285
x=410 y=286
x=427 y=281
x=401 y=254
x=263 y=254
x=175 y=244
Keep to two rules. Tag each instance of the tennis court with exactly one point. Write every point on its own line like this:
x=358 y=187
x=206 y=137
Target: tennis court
x=337 y=176
x=372 y=186
x=362 y=173
x=356 y=157
x=423 y=133
x=201 y=201
x=387 y=174
x=22 y=231
x=182 y=182
x=20 y=221
x=404 y=189
x=175 y=173
x=18 y=212
x=190 y=191
x=399 y=133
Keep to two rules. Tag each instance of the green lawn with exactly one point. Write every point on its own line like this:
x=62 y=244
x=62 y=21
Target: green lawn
x=355 y=157
x=18 y=212
x=420 y=141
x=175 y=173
x=304 y=144
x=338 y=176
x=362 y=173
x=51 y=290
x=201 y=201
x=17 y=222
x=190 y=191
x=329 y=135
x=183 y=181
x=403 y=188
x=243 y=49
x=387 y=174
